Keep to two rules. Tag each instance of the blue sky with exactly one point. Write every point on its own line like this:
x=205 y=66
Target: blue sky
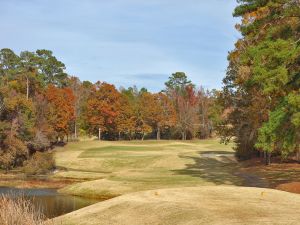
x=126 y=42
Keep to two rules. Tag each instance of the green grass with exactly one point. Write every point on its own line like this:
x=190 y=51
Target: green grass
x=205 y=176
x=100 y=152
x=116 y=168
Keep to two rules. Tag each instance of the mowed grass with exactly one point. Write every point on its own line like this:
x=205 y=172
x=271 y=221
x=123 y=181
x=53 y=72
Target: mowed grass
x=109 y=169
x=168 y=182
x=214 y=205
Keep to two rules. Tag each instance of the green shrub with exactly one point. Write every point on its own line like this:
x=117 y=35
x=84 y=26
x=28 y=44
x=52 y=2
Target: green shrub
x=39 y=163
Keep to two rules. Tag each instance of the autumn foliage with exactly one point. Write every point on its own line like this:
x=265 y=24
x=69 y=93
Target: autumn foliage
x=61 y=112
x=258 y=107
x=261 y=88
x=103 y=107
x=41 y=106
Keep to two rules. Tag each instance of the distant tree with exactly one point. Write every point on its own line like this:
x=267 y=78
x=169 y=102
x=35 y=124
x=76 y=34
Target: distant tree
x=51 y=69
x=204 y=103
x=44 y=132
x=168 y=114
x=125 y=120
x=187 y=118
x=62 y=111
x=9 y=63
x=215 y=109
x=178 y=83
x=103 y=107
x=182 y=93
x=151 y=111
x=78 y=90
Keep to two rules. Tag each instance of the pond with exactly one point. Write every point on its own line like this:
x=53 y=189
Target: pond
x=49 y=201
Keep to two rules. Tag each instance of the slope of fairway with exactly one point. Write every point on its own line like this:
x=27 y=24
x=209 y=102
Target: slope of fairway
x=192 y=206
x=109 y=169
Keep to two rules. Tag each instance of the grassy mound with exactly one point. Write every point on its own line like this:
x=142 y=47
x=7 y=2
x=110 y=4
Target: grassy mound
x=192 y=206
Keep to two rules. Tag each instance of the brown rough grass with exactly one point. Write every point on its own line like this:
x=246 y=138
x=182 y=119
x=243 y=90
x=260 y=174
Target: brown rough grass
x=18 y=210
x=213 y=205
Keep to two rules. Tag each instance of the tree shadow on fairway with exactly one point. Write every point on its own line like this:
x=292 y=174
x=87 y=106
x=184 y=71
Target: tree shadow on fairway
x=217 y=167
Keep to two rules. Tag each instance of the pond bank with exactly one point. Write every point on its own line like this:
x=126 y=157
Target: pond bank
x=49 y=201
x=20 y=180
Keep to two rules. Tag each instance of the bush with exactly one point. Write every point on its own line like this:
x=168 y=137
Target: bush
x=39 y=163
x=40 y=142
x=18 y=210
x=13 y=152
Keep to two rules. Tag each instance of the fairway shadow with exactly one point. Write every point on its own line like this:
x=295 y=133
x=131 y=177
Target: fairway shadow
x=212 y=166
x=220 y=152
x=213 y=154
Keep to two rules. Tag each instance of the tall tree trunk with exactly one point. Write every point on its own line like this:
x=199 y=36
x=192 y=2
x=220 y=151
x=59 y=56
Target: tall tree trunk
x=99 y=134
x=261 y=156
x=11 y=132
x=119 y=135
x=27 y=88
x=182 y=135
x=269 y=158
x=158 y=133
x=297 y=149
x=298 y=153
x=75 y=130
x=143 y=136
x=203 y=121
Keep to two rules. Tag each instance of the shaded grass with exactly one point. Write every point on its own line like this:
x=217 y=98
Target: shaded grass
x=212 y=166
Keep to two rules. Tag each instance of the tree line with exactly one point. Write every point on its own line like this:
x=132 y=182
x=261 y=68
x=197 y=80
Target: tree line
x=258 y=107
x=41 y=106
x=261 y=95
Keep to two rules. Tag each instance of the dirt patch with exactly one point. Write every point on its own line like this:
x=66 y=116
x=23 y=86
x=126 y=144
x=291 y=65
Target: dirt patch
x=279 y=175
x=293 y=187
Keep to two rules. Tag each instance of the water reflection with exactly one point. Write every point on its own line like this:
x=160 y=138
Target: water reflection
x=51 y=203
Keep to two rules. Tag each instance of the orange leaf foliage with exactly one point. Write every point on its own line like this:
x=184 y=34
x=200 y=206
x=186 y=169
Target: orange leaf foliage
x=62 y=107
x=103 y=106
